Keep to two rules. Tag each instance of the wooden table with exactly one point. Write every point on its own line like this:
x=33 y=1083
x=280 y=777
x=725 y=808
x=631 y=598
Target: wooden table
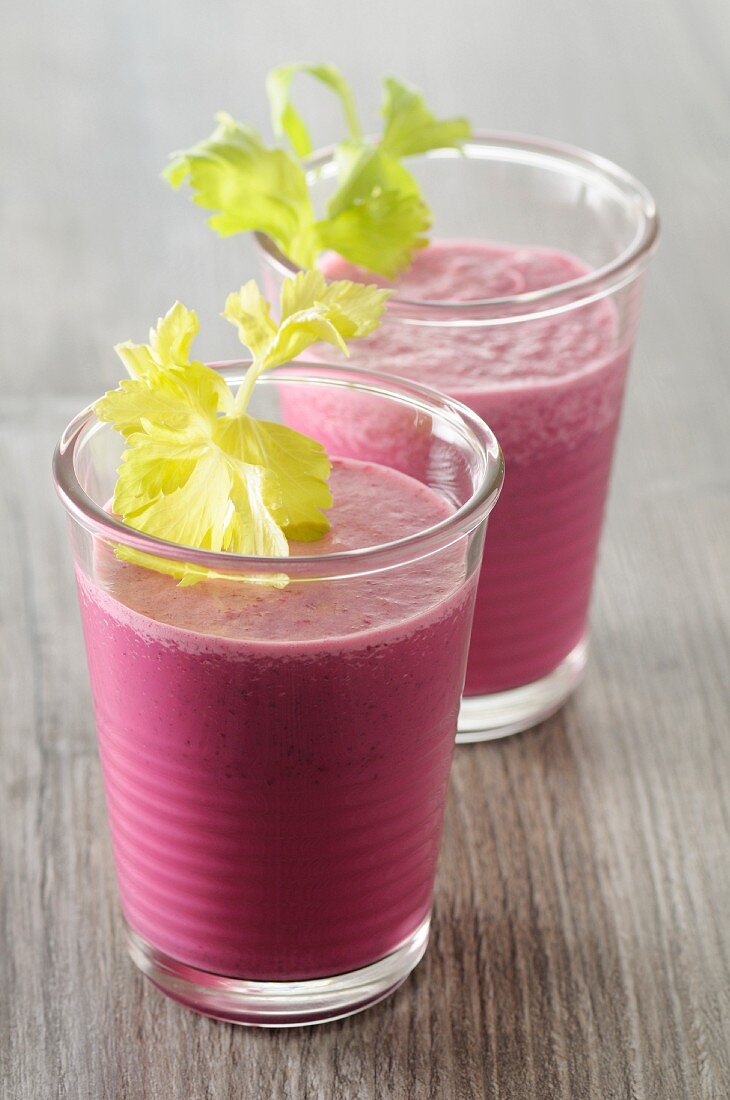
x=581 y=941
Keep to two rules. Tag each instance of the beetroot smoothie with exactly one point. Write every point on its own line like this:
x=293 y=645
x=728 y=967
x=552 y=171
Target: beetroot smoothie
x=276 y=760
x=551 y=390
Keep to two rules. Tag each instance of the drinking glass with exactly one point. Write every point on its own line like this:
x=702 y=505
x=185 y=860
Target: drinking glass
x=276 y=755
x=545 y=367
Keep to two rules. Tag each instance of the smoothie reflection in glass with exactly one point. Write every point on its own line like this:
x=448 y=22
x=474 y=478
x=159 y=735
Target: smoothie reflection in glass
x=276 y=759
x=524 y=307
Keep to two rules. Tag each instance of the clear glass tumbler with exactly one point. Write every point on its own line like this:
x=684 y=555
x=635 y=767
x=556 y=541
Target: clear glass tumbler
x=541 y=354
x=276 y=759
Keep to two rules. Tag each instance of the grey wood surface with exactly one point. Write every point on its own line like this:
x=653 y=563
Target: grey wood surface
x=581 y=944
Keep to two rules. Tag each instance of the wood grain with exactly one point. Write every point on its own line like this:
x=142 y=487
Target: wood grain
x=581 y=946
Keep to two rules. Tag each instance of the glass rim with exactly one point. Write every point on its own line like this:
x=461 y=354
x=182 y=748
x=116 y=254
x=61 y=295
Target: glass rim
x=82 y=508
x=495 y=145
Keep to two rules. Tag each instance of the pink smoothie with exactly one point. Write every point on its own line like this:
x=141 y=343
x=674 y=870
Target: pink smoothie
x=276 y=760
x=551 y=390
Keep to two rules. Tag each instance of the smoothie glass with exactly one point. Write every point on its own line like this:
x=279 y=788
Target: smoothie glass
x=530 y=314
x=276 y=759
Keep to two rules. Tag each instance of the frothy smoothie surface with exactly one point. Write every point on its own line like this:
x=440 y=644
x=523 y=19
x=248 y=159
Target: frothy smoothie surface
x=499 y=355
x=368 y=511
x=276 y=761
x=551 y=390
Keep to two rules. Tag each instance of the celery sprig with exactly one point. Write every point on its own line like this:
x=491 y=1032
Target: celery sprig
x=198 y=469
x=377 y=217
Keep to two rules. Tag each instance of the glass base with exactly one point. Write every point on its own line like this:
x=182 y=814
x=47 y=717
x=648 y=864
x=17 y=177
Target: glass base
x=279 y=1004
x=488 y=717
